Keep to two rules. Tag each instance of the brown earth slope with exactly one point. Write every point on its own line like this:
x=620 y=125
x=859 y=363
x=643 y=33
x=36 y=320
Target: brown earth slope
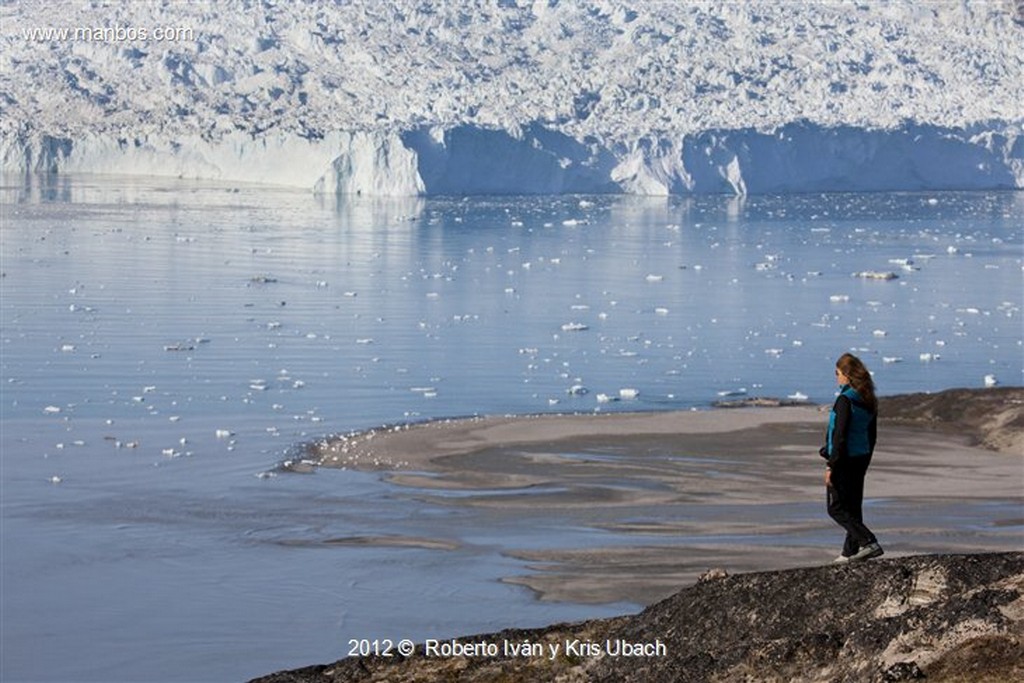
x=992 y=418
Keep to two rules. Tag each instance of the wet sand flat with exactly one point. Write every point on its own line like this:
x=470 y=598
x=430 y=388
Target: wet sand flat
x=659 y=498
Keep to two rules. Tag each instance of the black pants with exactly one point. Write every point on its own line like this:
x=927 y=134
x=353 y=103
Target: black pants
x=845 y=497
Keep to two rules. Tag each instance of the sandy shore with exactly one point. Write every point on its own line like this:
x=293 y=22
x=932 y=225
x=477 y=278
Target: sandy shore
x=669 y=495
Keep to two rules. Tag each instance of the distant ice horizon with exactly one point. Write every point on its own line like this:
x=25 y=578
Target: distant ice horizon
x=404 y=99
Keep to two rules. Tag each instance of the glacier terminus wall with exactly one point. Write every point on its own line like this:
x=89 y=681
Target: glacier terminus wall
x=466 y=160
x=499 y=97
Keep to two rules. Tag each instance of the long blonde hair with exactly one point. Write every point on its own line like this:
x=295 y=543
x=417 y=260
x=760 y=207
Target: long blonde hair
x=860 y=378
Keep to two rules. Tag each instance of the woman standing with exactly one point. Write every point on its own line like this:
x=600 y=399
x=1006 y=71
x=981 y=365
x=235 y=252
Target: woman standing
x=849 y=443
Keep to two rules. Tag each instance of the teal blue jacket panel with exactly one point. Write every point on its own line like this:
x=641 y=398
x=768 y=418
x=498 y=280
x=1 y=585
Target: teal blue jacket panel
x=852 y=427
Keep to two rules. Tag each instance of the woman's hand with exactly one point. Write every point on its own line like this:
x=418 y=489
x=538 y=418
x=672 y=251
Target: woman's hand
x=828 y=476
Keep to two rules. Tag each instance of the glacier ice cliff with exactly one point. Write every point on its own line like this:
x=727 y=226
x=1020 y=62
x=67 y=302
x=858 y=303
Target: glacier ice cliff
x=467 y=160
x=401 y=98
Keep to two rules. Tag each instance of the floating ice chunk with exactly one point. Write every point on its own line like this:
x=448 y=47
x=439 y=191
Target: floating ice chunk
x=364 y=340
x=661 y=310
x=891 y=359
x=654 y=278
x=879 y=333
x=351 y=294
x=51 y=410
x=55 y=480
x=774 y=352
x=577 y=390
x=224 y=433
x=991 y=381
x=574 y=327
x=67 y=348
x=876 y=275
x=733 y=392
x=797 y=396
x=952 y=250
x=628 y=393
x=929 y=357
x=605 y=398
x=839 y=298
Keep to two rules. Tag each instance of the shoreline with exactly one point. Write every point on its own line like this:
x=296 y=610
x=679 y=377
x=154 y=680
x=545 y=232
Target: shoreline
x=634 y=505
x=993 y=417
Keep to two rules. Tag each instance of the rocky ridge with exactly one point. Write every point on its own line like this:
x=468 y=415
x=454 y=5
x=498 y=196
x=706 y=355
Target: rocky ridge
x=946 y=618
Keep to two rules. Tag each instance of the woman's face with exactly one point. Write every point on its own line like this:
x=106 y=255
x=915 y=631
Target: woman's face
x=841 y=379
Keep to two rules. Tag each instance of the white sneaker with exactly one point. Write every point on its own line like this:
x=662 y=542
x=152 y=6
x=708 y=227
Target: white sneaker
x=867 y=552
x=841 y=559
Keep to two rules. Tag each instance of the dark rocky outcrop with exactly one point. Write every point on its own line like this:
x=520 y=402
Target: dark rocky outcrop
x=936 y=617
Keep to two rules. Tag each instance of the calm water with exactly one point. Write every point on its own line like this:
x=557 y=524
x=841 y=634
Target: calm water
x=162 y=346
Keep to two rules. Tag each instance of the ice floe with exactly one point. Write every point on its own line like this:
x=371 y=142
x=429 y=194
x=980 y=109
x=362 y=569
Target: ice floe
x=876 y=275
